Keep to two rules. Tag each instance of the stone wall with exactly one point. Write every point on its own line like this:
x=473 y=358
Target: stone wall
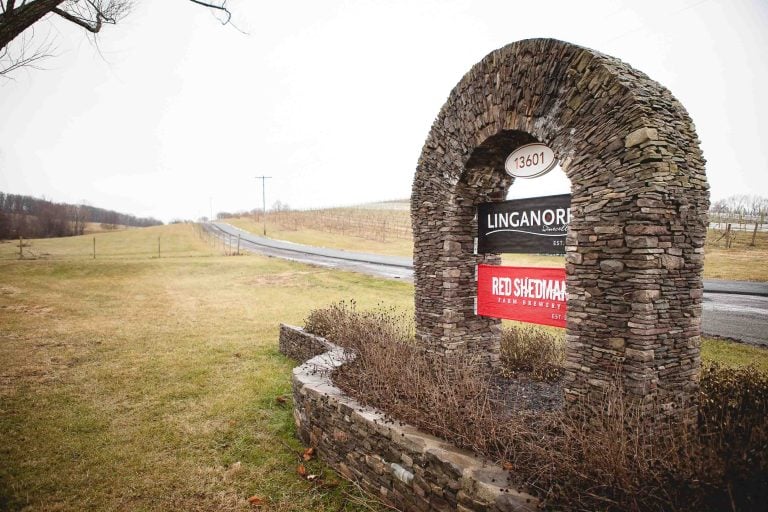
x=635 y=245
x=300 y=345
x=405 y=468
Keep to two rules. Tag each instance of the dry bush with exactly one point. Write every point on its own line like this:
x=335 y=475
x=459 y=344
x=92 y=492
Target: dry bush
x=573 y=462
x=387 y=370
x=534 y=351
x=733 y=428
x=341 y=322
x=718 y=464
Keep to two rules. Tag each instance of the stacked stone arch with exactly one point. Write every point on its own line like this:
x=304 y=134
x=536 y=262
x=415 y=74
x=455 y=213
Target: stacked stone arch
x=635 y=245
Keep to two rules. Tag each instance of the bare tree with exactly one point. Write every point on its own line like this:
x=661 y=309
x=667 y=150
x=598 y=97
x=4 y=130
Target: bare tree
x=758 y=207
x=78 y=216
x=279 y=206
x=18 y=16
x=23 y=55
x=737 y=205
x=719 y=207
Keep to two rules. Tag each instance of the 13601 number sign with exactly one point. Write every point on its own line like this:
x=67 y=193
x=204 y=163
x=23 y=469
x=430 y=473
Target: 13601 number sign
x=530 y=161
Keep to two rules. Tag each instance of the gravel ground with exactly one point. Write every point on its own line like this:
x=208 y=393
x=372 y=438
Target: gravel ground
x=521 y=393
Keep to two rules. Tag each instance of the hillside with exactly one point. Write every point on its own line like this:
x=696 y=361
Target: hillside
x=30 y=217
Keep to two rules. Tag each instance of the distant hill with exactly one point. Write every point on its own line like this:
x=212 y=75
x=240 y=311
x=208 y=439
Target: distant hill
x=31 y=217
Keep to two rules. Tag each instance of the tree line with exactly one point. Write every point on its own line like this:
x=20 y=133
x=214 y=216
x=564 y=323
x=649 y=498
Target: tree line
x=740 y=209
x=30 y=217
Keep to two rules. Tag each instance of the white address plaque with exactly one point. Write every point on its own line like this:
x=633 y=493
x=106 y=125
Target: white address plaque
x=530 y=161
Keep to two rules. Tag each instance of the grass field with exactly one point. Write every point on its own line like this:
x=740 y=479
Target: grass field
x=332 y=240
x=137 y=383
x=132 y=382
x=742 y=261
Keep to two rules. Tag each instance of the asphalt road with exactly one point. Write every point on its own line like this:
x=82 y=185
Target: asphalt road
x=736 y=310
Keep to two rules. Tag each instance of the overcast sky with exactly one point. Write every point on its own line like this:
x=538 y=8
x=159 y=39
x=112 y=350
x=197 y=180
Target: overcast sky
x=172 y=113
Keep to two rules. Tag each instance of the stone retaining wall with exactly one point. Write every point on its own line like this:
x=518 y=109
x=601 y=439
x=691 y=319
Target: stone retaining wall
x=298 y=344
x=405 y=468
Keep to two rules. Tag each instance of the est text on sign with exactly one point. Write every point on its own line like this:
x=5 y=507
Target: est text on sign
x=527 y=294
x=536 y=225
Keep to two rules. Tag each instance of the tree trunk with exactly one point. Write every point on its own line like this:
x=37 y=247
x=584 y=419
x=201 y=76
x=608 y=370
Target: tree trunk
x=16 y=21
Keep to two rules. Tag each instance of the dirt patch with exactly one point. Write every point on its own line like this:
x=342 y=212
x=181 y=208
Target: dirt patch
x=284 y=279
x=28 y=309
x=9 y=290
x=34 y=374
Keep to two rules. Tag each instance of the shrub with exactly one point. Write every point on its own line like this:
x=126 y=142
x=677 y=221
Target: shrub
x=532 y=350
x=573 y=462
x=343 y=325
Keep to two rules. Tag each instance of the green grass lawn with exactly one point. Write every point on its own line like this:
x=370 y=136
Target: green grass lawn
x=132 y=382
x=136 y=383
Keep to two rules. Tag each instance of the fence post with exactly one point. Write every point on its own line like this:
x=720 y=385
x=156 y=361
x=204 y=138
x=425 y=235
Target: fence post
x=21 y=252
x=158 y=247
x=238 y=244
x=94 y=247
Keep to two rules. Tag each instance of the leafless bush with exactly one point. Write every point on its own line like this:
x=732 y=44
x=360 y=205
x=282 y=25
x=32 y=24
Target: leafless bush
x=534 y=351
x=344 y=325
x=391 y=372
x=573 y=462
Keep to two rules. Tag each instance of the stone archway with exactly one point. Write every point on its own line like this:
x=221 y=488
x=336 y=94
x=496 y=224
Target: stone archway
x=634 y=250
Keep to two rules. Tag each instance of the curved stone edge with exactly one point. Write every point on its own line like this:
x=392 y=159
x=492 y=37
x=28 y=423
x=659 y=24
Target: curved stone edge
x=405 y=468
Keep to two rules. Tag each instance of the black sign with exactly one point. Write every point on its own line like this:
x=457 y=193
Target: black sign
x=535 y=226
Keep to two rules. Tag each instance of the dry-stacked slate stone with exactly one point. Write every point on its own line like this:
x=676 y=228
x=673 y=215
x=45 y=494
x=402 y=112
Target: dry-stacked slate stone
x=407 y=469
x=300 y=345
x=635 y=246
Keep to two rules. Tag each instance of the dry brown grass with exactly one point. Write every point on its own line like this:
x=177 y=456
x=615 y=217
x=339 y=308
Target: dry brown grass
x=742 y=261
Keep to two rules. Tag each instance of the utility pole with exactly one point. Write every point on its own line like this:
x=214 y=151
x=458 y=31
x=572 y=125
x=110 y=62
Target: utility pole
x=264 y=198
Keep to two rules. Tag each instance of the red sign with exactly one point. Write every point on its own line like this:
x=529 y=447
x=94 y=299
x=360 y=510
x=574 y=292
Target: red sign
x=527 y=294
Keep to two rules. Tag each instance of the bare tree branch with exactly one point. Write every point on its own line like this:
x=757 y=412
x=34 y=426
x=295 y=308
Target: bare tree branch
x=80 y=21
x=91 y=15
x=223 y=7
x=16 y=21
x=11 y=61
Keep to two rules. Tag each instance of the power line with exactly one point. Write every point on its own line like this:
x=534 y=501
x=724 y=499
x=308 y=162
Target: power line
x=264 y=198
x=645 y=28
